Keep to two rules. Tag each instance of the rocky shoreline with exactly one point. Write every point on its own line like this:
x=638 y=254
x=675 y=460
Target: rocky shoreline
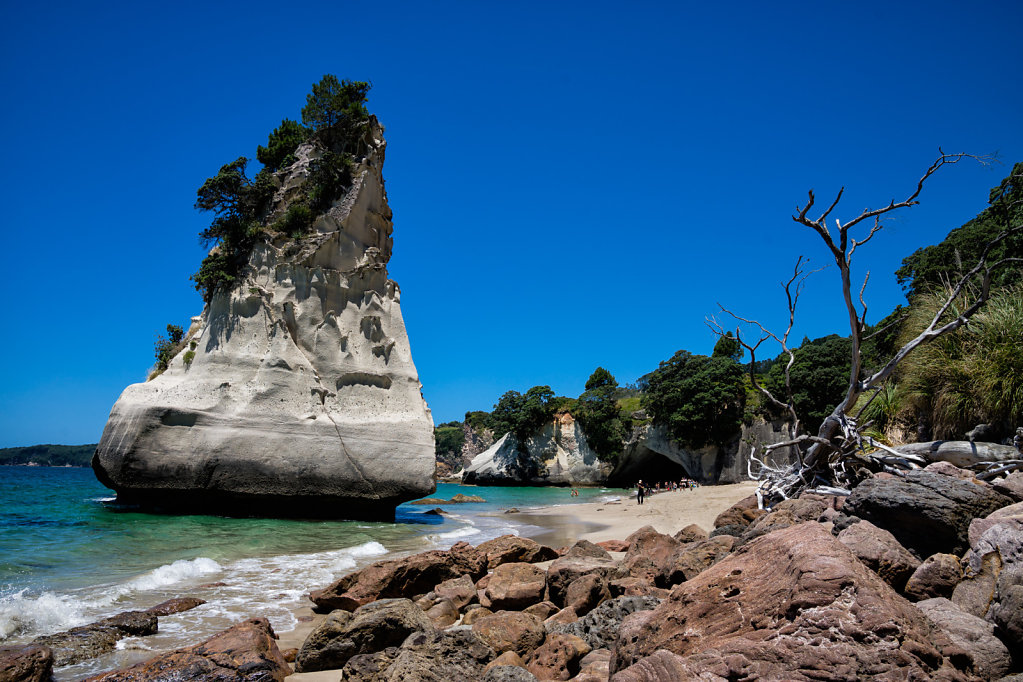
x=910 y=577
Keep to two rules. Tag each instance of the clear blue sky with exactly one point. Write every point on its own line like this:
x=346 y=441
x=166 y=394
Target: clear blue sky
x=574 y=184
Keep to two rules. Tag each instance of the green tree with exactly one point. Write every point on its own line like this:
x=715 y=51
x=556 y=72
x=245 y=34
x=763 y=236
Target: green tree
x=336 y=111
x=522 y=415
x=929 y=266
x=819 y=377
x=598 y=413
x=166 y=346
x=449 y=439
x=728 y=346
x=281 y=144
x=699 y=400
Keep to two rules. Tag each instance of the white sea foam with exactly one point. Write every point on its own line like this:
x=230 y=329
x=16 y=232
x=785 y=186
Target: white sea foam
x=170 y=574
x=464 y=532
x=22 y=613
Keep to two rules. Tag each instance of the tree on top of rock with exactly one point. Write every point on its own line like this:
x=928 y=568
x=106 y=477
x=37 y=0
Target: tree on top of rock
x=600 y=416
x=336 y=110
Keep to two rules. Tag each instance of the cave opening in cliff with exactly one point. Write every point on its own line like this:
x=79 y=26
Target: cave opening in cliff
x=652 y=469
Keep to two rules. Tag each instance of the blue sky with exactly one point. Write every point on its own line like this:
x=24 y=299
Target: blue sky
x=574 y=184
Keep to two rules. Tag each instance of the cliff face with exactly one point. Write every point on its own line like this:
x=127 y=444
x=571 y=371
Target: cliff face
x=560 y=455
x=556 y=455
x=302 y=397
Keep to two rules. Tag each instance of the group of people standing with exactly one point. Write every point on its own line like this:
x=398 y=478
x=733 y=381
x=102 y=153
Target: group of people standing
x=642 y=489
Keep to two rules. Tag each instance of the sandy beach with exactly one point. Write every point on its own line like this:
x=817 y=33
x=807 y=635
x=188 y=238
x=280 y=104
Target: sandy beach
x=668 y=512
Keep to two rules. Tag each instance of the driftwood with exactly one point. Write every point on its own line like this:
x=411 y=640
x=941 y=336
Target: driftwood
x=841 y=454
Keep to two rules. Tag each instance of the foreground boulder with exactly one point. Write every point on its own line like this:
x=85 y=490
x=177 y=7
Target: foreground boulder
x=511 y=548
x=937 y=576
x=510 y=631
x=296 y=392
x=991 y=658
x=514 y=586
x=880 y=552
x=582 y=558
x=26 y=664
x=246 y=652
x=89 y=641
x=439 y=657
x=795 y=604
x=370 y=629
x=416 y=574
x=927 y=512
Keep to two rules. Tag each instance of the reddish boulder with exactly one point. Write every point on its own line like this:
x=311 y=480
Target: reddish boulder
x=742 y=513
x=664 y=666
x=511 y=548
x=584 y=557
x=472 y=616
x=510 y=631
x=696 y=557
x=563 y=617
x=507 y=658
x=558 y=657
x=461 y=591
x=586 y=592
x=614 y=545
x=880 y=552
x=797 y=605
x=416 y=574
x=443 y=613
x=514 y=586
x=937 y=576
x=635 y=587
x=172 y=606
x=691 y=533
x=543 y=610
x=26 y=664
x=657 y=547
x=246 y=652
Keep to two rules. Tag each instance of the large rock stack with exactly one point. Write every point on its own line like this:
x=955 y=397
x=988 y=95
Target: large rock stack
x=295 y=392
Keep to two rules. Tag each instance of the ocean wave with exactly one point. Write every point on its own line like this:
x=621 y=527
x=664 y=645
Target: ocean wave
x=22 y=613
x=169 y=574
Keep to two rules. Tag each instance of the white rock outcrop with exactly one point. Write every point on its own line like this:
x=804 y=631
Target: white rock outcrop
x=295 y=392
x=557 y=454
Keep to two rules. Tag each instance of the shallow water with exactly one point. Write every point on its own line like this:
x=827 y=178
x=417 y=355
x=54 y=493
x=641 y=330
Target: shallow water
x=69 y=557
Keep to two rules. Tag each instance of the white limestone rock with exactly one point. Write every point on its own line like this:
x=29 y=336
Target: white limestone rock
x=302 y=397
x=558 y=454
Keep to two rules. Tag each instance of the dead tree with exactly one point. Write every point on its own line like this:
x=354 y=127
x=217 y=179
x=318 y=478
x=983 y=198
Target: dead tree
x=840 y=454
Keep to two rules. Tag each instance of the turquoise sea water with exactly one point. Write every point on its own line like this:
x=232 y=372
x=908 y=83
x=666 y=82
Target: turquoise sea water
x=68 y=556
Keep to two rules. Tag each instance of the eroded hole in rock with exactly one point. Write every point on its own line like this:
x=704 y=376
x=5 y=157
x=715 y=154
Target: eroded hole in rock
x=178 y=418
x=364 y=379
x=371 y=328
x=650 y=467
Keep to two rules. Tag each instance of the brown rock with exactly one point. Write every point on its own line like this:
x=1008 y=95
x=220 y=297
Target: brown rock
x=692 y=559
x=657 y=547
x=543 y=610
x=991 y=659
x=440 y=657
x=937 y=576
x=641 y=568
x=471 y=617
x=691 y=533
x=880 y=552
x=998 y=550
x=461 y=591
x=514 y=586
x=563 y=617
x=26 y=664
x=1011 y=486
x=585 y=593
x=507 y=658
x=414 y=574
x=949 y=469
x=558 y=657
x=795 y=604
x=511 y=548
x=635 y=587
x=369 y=667
x=742 y=513
x=584 y=557
x=510 y=631
x=664 y=666
x=289 y=654
x=594 y=666
x=370 y=628
x=443 y=613
x=614 y=545
x=178 y=605
x=784 y=514
x=246 y=652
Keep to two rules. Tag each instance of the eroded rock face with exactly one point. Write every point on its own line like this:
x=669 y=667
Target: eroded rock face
x=26 y=664
x=300 y=396
x=795 y=604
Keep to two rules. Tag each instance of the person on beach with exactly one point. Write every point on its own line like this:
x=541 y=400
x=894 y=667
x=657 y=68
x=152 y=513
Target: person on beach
x=639 y=492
